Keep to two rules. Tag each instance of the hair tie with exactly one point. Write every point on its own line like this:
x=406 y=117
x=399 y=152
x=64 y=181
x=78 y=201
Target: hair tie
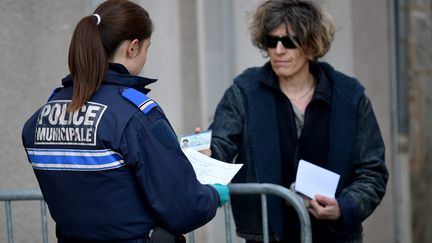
x=98 y=17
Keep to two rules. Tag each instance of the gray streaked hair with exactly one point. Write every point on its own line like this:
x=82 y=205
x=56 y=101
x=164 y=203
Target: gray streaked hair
x=312 y=25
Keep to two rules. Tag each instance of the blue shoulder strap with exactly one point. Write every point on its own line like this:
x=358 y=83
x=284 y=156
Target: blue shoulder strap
x=144 y=103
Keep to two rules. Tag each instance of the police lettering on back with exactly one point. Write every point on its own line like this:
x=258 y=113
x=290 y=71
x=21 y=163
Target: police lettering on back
x=58 y=126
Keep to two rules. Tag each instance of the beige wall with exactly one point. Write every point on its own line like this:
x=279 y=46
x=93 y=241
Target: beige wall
x=371 y=65
x=34 y=38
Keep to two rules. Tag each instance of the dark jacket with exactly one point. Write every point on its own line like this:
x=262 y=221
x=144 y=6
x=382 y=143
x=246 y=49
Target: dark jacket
x=246 y=126
x=113 y=170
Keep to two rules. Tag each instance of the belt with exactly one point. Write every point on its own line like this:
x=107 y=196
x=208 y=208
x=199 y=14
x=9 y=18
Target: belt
x=63 y=239
x=71 y=240
x=157 y=235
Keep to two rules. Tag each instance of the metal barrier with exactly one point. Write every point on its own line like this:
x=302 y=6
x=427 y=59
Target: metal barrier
x=23 y=195
x=247 y=188
x=290 y=197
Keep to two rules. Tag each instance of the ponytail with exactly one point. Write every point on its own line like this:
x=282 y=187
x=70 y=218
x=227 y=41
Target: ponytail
x=95 y=40
x=88 y=61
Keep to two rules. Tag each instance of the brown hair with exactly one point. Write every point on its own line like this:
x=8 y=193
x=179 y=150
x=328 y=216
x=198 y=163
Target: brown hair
x=311 y=25
x=93 y=45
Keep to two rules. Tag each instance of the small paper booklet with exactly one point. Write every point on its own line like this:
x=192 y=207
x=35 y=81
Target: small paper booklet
x=209 y=170
x=198 y=141
x=312 y=179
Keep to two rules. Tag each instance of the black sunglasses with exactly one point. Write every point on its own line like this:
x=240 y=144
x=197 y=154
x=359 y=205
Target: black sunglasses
x=287 y=41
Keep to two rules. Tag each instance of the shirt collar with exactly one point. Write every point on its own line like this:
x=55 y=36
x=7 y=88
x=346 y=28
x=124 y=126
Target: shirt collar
x=118 y=74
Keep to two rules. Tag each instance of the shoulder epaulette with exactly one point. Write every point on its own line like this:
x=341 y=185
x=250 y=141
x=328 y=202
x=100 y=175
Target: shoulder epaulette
x=144 y=103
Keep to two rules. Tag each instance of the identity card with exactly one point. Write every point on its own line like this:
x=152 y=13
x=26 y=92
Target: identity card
x=198 y=141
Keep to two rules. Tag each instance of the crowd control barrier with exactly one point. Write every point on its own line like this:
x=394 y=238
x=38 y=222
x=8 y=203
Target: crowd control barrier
x=23 y=195
x=247 y=188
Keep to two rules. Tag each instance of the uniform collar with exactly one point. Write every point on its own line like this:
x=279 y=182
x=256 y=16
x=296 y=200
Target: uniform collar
x=118 y=75
x=322 y=90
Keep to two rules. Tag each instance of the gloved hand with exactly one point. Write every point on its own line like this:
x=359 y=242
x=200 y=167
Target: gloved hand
x=223 y=192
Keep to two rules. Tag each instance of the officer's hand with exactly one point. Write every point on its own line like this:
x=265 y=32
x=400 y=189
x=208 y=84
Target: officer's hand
x=207 y=152
x=223 y=192
x=323 y=207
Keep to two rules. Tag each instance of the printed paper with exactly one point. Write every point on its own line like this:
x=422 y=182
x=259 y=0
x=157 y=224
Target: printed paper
x=209 y=170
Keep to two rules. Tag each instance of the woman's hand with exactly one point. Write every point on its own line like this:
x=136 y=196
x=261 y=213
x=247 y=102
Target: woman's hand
x=323 y=207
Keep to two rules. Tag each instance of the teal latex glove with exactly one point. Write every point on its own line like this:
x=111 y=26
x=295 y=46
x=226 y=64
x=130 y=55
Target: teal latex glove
x=223 y=192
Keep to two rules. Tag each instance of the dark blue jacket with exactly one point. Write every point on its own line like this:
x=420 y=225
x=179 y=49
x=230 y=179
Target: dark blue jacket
x=114 y=169
x=246 y=128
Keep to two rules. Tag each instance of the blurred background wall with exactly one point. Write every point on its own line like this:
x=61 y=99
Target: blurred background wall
x=197 y=48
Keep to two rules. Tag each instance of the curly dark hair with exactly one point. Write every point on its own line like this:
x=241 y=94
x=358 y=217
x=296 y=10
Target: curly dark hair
x=312 y=26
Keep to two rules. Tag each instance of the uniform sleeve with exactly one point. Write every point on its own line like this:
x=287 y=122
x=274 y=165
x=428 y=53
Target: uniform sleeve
x=227 y=127
x=167 y=178
x=370 y=175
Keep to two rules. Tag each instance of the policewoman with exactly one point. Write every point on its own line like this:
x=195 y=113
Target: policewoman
x=108 y=163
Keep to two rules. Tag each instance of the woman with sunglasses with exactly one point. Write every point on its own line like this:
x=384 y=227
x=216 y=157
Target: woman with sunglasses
x=295 y=107
x=108 y=163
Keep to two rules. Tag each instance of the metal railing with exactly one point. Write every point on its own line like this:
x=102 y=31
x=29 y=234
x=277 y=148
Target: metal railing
x=250 y=188
x=290 y=197
x=23 y=195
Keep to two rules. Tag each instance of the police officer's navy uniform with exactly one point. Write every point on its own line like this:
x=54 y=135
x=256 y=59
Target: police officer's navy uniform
x=113 y=170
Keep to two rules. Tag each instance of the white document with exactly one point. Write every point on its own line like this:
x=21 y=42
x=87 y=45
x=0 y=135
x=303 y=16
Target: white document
x=209 y=170
x=197 y=141
x=312 y=180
